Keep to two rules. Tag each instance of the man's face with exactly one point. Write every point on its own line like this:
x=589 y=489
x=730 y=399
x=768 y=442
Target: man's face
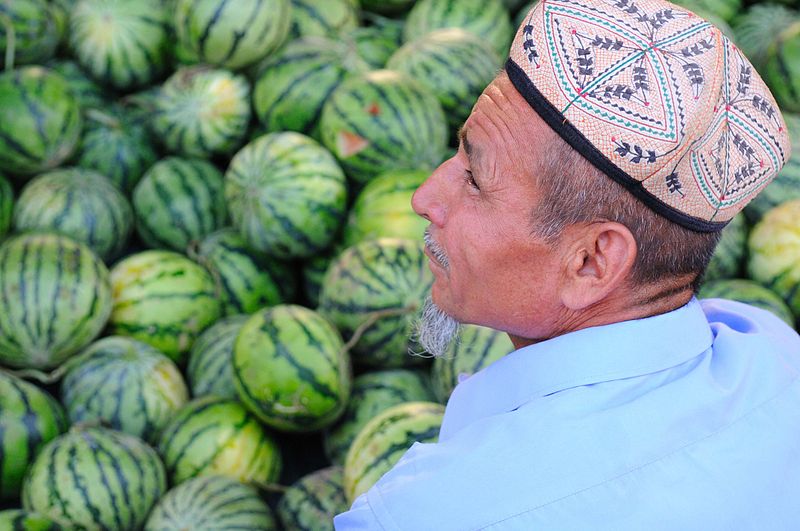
x=479 y=205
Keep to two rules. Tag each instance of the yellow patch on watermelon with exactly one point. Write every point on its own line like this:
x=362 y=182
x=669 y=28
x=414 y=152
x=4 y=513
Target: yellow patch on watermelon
x=349 y=144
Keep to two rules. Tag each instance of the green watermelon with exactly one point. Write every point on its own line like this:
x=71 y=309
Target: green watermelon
x=78 y=203
x=202 y=111
x=323 y=18
x=488 y=19
x=786 y=185
x=126 y=384
x=88 y=93
x=756 y=28
x=292 y=86
x=210 y=367
x=211 y=503
x=372 y=393
x=774 y=247
x=164 y=299
x=121 y=43
x=749 y=292
x=374 y=276
x=41 y=122
x=35 y=33
x=373 y=44
x=95 y=478
x=55 y=297
x=231 y=34
x=782 y=68
x=382 y=121
x=453 y=64
x=29 y=418
x=383 y=209
x=312 y=501
x=248 y=280
x=117 y=147
x=22 y=520
x=384 y=440
x=6 y=206
x=290 y=369
x=213 y=435
x=475 y=349
x=286 y=195
x=728 y=257
x=177 y=202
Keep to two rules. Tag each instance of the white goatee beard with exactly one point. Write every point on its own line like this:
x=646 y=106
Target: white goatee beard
x=435 y=330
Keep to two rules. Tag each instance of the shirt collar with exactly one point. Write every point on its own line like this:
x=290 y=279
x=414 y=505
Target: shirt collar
x=588 y=356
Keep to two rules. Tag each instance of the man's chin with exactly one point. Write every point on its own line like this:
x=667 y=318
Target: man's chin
x=435 y=330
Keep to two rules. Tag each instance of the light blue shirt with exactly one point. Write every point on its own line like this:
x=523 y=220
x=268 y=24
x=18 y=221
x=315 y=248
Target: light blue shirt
x=688 y=420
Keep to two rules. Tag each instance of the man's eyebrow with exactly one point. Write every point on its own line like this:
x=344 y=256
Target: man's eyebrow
x=468 y=148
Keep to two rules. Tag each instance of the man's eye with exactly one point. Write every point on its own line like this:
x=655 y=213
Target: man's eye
x=470 y=180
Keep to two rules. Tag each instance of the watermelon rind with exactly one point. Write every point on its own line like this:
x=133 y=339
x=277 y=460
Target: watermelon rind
x=95 y=478
x=781 y=70
x=372 y=393
x=163 y=299
x=35 y=31
x=211 y=503
x=216 y=436
x=383 y=441
x=29 y=418
x=55 y=298
x=323 y=18
x=22 y=520
x=290 y=369
x=126 y=385
x=79 y=203
x=311 y=502
x=750 y=292
x=86 y=91
x=210 y=367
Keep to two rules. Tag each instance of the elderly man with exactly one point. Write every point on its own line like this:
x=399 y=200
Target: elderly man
x=578 y=215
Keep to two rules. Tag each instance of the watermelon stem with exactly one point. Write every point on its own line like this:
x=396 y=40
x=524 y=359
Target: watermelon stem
x=371 y=320
x=47 y=378
x=102 y=118
x=11 y=42
x=268 y=487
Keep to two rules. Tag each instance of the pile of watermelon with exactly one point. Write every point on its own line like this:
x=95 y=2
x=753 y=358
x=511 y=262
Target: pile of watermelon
x=209 y=266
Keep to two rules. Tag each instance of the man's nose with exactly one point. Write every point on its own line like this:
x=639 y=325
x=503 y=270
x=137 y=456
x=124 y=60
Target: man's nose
x=427 y=200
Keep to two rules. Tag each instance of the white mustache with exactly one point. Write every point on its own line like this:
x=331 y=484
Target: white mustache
x=437 y=252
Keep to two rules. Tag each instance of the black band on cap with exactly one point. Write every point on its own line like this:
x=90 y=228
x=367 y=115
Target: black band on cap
x=575 y=138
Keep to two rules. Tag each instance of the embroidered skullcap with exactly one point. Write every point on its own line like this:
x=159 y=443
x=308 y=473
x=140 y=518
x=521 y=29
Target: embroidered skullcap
x=655 y=97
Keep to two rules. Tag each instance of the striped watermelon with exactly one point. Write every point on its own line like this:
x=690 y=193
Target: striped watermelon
x=476 y=348
x=782 y=68
x=164 y=299
x=29 y=418
x=386 y=274
x=95 y=478
x=758 y=21
x=210 y=367
x=211 y=503
x=774 y=246
x=286 y=195
x=212 y=435
x=88 y=93
x=247 y=279
x=384 y=440
x=383 y=209
x=488 y=19
x=78 y=203
x=749 y=292
x=121 y=43
x=177 y=202
x=372 y=393
x=231 y=34
x=290 y=369
x=117 y=147
x=786 y=186
x=292 y=86
x=728 y=257
x=55 y=297
x=202 y=111
x=126 y=384
x=6 y=206
x=35 y=32
x=22 y=520
x=41 y=122
x=323 y=18
x=383 y=121
x=312 y=501
x=453 y=64
x=374 y=44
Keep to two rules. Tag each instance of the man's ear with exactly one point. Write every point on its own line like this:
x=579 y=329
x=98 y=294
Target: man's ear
x=598 y=261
